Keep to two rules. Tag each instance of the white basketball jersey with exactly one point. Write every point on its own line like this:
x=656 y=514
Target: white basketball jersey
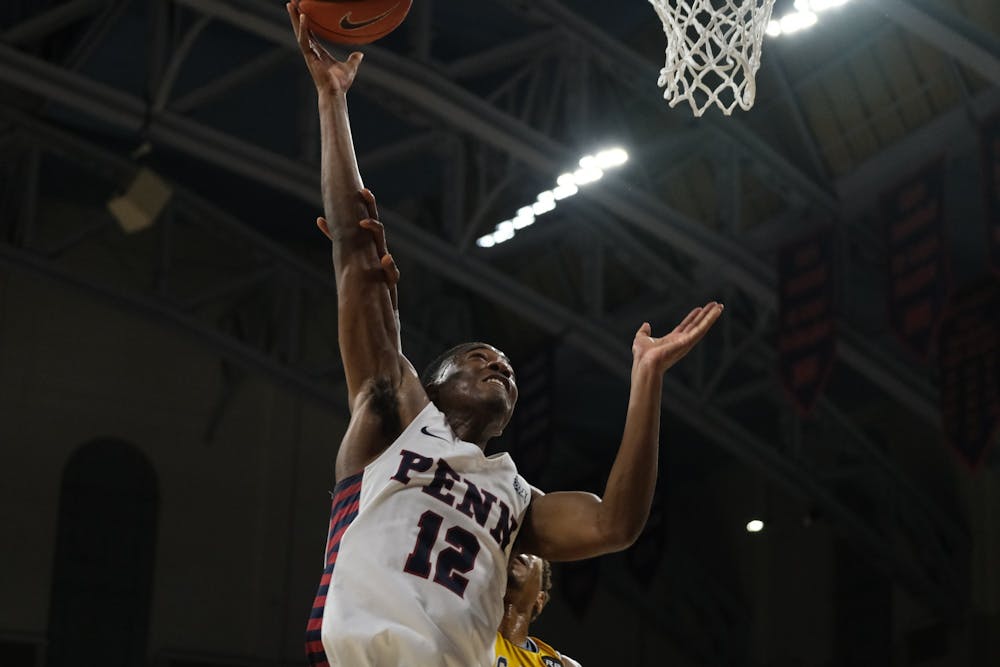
x=417 y=555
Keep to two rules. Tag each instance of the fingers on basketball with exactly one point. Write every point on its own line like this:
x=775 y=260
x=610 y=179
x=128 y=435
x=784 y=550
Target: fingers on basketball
x=354 y=21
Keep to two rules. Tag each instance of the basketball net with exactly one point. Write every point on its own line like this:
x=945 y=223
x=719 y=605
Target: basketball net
x=713 y=51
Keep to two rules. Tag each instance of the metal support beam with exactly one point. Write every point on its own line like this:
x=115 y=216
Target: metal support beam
x=50 y=21
x=950 y=33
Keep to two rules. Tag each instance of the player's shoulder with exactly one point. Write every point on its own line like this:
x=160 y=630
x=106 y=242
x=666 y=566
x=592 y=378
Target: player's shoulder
x=550 y=657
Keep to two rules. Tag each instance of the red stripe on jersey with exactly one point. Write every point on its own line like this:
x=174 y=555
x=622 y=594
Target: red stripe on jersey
x=339 y=516
x=344 y=509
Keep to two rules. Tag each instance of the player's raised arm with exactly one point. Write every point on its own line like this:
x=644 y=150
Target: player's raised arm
x=368 y=328
x=574 y=525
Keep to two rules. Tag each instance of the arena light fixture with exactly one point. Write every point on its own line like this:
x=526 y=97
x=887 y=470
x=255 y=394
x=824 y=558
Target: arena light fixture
x=590 y=169
x=755 y=526
x=805 y=15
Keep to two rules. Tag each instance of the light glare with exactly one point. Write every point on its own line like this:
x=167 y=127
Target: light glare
x=797 y=21
x=755 y=526
x=563 y=191
x=503 y=235
x=543 y=207
x=591 y=169
x=522 y=221
x=804 y=16
x=612 y=157
x=585 y=175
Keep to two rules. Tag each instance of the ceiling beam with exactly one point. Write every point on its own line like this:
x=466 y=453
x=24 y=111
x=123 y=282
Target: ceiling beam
x=950 y=33
x=957 y=128
x=47 y=22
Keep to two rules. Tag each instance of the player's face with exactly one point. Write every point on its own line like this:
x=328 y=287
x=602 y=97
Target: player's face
x=484 y=376
x=524 y=583
x=524 y=575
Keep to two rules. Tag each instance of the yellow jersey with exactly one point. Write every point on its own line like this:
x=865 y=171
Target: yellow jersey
x=538 y=654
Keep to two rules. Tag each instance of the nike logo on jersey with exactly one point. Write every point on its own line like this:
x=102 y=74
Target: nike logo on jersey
x=433 y=435
x=347 y=24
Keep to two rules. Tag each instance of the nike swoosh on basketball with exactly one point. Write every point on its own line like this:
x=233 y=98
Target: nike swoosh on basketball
x=433 y=435
x=347 y=24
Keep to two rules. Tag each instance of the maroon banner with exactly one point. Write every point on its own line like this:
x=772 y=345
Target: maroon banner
x=918 y=272
x=969 y=346
x=991 y=181
x=806 y=340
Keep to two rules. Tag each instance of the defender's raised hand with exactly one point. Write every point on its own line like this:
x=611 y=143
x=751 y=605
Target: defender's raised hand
x=390 y=271
x=329 y=74
x=659 y=354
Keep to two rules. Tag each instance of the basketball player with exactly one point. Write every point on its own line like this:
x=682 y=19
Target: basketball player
x=529 y=580
x=422 y=521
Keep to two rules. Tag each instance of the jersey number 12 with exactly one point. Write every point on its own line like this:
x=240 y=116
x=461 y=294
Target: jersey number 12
x=452 y=562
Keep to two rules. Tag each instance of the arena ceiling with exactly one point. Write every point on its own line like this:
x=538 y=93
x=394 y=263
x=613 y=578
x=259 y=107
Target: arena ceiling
x=462 y=116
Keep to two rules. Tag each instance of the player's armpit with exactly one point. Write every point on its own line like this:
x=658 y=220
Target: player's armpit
x=568 y=661
x=569 y=525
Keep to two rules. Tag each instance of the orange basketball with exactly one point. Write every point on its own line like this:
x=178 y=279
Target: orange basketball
x=354 y=21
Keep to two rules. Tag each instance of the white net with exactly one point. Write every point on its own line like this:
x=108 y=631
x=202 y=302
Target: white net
x=713 y=51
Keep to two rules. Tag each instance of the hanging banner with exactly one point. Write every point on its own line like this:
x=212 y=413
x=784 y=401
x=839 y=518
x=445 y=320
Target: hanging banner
x=917 y=262
x=970 y=371
x=806 y=341
x=991 y=182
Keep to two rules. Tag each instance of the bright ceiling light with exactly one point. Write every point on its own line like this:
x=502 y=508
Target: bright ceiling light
x=543 y=207
x=522 y=221
x=755 y=526
x=560 y=192
x=586 y=175
x=804 y=16
x=592 y=168
x=797 y=21
x=612 y=157
x=504 y=235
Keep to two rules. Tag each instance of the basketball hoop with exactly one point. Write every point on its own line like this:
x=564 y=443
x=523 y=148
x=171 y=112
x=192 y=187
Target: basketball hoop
x=713 y=51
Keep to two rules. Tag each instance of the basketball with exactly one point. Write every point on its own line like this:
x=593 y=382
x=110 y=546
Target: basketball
x=354 y=21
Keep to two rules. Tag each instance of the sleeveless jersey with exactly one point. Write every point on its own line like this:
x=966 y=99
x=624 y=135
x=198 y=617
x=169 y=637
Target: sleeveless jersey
x=416 y=562
x=511 y=655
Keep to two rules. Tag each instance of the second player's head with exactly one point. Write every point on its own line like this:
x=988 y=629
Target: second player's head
x=473 y=381
x=529 y=580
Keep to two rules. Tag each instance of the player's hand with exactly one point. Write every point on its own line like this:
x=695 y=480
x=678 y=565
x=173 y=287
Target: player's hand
x=329 y=74
x=389 y=269
x=659 y=354
x=372 y=224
